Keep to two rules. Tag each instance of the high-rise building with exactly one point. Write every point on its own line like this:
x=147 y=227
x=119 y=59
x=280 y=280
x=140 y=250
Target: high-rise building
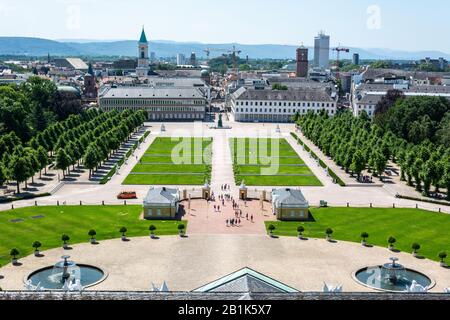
x=143 y=60
x=193 y=60
x=181 y=59
x=302 y=62
x=356 y=59
x=322 y=51
x=152 y=56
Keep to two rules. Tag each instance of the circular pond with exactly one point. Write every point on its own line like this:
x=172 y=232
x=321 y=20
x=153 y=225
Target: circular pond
x=52 y=278
x=383 y=279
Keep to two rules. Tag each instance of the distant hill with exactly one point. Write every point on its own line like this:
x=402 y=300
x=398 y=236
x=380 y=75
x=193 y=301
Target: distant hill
x=163 y=48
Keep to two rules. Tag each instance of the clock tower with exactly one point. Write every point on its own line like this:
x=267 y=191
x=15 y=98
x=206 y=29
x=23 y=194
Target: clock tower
x=143 y=60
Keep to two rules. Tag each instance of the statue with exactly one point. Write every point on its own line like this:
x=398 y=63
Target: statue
x=417 y=288
x=220 y=123
x=332 y=289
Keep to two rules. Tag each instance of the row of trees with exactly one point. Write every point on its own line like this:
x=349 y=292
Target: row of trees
x=89 y=137
x=357 y=144
x=96 y=143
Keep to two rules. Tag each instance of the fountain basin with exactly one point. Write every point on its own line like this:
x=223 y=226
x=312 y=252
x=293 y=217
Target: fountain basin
x=380 y=279
x=47 y=279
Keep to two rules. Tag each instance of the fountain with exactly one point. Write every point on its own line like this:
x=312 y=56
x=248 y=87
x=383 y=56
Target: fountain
x=65 y=275
x=393 y=277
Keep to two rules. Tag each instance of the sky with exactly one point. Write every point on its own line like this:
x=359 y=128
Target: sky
x=400 y=24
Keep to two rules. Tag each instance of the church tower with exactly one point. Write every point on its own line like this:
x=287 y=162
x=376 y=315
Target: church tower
x=143 y=60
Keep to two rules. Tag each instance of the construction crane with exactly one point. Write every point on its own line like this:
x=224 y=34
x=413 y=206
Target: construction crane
x=338 y=50
x=233 y=51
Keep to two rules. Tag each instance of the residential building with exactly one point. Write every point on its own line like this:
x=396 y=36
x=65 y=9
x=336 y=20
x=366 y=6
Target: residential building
x=253 y=105
x=365 y=97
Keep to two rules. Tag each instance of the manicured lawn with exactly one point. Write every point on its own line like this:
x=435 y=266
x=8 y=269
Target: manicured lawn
x=429 y=229
x=186 y=161
x=281 y=169
x=161 y=179
x=169 y=168
x=251 y=156
x=279 y=181
x=75 y=221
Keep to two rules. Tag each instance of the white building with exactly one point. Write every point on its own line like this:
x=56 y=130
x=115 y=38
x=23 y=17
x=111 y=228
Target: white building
x=181 y=59
x=322 y=51
x=143 y=67
x=253 y=105
x=365 y=97
x=168 y=104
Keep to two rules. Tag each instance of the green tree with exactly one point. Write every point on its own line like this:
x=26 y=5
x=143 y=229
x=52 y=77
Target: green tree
x=358 y=163
x=380 y=163
x=19 y=169
x=42 y=157
x=62 y=161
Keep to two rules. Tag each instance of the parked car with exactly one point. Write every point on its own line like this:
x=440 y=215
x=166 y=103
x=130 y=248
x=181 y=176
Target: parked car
x=126 y=195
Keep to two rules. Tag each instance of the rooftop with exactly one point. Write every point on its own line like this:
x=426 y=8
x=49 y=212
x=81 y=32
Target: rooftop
x=149 y=92
x=161 y=196
x=246 y=281
x=292 y=94
x=289 y=197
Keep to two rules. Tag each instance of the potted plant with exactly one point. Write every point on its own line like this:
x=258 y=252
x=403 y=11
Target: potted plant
x=92 y=233
x=123 y=231
x=65 y=239
x=181 y=228
x=152 y=229
x=443 y=256
x=271 y=230
x=415 y=247
x=329 y=232
x=14 y=253
x=364 y=237
x=36 y=246
x=300 y=231
x=391 y=241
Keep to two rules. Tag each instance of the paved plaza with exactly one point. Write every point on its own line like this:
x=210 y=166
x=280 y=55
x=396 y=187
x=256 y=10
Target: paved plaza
x=188 y=263
x=205 y=219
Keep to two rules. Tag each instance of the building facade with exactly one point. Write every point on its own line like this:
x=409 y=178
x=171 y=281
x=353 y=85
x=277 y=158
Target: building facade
x=290 y=205
x=302 y=62
x=161 y=104
x=356 y=59
x=161 y=203
x=181 y=59
x=322 y=51
x=253 y=105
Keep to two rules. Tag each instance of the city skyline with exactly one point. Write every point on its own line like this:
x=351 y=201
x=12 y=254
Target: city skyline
x=378 y=24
